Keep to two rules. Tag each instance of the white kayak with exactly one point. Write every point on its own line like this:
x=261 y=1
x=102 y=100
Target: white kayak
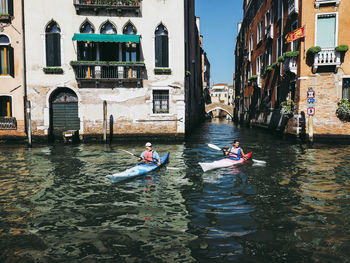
x=137 y=170
x=223 y=163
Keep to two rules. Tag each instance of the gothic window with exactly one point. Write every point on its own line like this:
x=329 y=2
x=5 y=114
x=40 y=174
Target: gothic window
x=161 y=46
x=108 y=28
x=53 y=45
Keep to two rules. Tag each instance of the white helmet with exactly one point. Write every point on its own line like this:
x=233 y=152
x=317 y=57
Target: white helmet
x=148 y=144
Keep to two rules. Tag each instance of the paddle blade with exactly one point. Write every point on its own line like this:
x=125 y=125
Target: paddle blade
x=214 y=147
x=130 y=153
x=259 y=161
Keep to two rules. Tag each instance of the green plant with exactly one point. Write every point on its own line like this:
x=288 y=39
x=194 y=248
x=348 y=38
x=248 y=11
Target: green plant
x=254 y=77
x=342 y=48
x=343 y=111
x=280 y=59
x=188 y=73
x=313 y=50
x=291 y=54
x=275 y=65
x=287 y=108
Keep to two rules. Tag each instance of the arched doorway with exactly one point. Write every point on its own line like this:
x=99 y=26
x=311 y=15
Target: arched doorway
x=63 y=112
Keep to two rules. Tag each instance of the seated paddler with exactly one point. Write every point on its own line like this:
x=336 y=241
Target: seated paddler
x=149 y=156
x=235 y=152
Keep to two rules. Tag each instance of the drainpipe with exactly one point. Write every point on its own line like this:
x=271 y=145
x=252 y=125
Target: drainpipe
x=105 y=121
x=24 y=71
x=282 y=31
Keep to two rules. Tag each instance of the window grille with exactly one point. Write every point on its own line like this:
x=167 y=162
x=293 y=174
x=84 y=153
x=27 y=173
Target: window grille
x=160 y=101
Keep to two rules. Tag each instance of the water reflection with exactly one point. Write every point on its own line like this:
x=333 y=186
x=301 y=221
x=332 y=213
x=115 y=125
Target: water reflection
x=58 y=206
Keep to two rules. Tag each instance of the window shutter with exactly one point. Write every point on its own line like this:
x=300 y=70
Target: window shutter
x=165 y=51
x=10 y=7
x=57 y=49
x=49 y=50
x=11 y=62
x=158 y=51
x=124 y=52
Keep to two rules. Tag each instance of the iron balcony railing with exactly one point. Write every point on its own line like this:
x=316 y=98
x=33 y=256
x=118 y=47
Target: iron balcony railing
x=107 y=4
x=103 y=70
x=326 y=2
x=327 y=57
x=8 y=123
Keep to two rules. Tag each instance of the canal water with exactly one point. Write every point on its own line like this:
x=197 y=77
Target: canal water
x=58 y=206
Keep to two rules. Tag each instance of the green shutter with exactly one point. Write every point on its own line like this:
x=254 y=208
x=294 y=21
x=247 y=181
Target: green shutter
x=11 y=64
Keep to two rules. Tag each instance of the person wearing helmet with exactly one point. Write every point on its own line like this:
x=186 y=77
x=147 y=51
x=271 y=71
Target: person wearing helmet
x=149 y=156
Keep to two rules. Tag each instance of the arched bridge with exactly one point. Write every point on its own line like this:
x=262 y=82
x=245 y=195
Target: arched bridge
x=219 y=106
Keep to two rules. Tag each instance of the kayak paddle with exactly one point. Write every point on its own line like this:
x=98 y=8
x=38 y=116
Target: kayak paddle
x=213 y=146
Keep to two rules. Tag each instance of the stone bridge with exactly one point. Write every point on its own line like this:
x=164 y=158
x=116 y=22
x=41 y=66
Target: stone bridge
x=219 y=106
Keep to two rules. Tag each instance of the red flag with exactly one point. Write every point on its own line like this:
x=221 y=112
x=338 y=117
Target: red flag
x=296 y=34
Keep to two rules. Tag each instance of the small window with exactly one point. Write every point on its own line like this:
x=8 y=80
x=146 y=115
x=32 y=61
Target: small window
x=294 y=44
x=87 y=28
x=160 y=101
x=129 y=29
x=5 y=106
x=6 y=57
x=259 y=31
x=346 y=89
x=108 y=28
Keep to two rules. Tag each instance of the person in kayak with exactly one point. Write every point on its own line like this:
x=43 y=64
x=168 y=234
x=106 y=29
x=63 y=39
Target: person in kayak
x=149 y=156
x=235 y=152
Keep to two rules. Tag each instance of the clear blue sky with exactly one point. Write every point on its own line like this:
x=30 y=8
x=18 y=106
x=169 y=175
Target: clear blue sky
x=219 y=20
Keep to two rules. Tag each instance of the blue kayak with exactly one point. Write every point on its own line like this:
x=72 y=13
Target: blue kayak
x=137 y=170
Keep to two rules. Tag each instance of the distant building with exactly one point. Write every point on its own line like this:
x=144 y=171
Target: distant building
x=272 y=70
x=12 y=84
x=129 y=54
x=222 y=93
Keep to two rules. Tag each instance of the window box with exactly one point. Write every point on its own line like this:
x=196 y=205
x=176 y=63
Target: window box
x=162 y=71
x=117 y=5
x=313 y=50
x=342 y=48
x=5 y=18
x=53 y=70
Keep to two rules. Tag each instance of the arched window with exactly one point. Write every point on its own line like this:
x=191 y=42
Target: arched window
x=6 y=7
x=108 y=28
x=87 y=50
x=130 y=51
x=87 y=28
x=53 y=45
x=6 y=57
x=129 y=29
x=162 y=46
x=5 y=106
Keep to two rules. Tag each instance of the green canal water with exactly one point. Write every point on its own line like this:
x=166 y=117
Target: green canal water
x=58 y=206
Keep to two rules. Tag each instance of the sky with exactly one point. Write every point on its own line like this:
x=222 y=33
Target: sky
x=219 y=20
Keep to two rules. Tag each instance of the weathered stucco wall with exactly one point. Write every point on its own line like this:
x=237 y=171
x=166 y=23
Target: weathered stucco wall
x=131 y=108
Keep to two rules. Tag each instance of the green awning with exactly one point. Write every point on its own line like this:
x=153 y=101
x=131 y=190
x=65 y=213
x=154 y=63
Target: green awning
x=106 y=38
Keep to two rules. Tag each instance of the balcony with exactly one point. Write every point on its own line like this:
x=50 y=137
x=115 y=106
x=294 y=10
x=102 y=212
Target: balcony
x=290 y=65
x=327 y=57
x=293 y=6
x=8 y=123
x=326 y=2
x=109 y=5
x=102 y=74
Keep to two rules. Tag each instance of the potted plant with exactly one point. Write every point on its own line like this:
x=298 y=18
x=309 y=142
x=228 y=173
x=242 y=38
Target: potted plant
x=313 y=50
x=280 y=59
x=287 y=108
x=343 y=111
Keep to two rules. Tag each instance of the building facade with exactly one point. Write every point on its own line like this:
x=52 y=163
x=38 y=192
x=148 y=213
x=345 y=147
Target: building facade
x=12 y=84
x=274 y=74
x=119 y=66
